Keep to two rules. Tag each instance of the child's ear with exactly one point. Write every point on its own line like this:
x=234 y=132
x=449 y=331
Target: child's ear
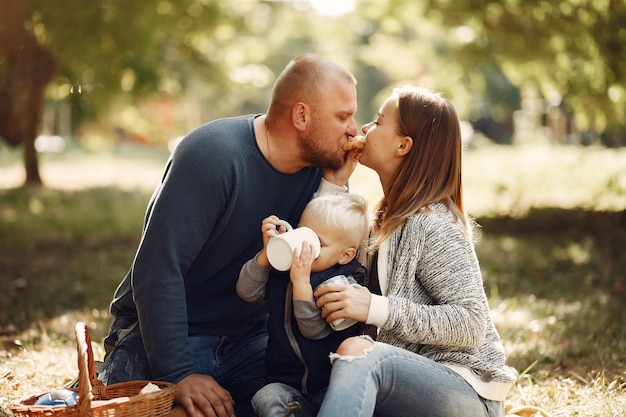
x=346 y=256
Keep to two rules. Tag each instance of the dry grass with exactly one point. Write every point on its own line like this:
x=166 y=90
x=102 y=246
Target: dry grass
x=555 y=277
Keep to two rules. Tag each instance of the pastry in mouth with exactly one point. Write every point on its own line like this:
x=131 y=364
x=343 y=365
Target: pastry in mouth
x=354 y=142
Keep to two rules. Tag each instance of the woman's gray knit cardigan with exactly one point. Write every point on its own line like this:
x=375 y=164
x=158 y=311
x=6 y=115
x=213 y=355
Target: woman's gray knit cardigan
x=437 y=303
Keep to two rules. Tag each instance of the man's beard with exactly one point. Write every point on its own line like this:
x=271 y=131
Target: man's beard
x=313 y=154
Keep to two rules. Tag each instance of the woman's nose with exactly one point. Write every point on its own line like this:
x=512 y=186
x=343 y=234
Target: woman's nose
x=365 y=128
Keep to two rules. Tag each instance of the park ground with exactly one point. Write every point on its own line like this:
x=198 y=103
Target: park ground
x=552 y=239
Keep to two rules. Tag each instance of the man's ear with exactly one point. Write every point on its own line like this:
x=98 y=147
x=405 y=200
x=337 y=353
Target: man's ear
x=300 y=116
x=347 y=256
x=405 y=145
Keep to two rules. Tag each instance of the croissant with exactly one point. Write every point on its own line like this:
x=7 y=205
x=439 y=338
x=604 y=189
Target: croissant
x=354 y=142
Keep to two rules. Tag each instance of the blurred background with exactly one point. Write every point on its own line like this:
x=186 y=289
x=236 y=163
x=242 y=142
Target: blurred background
x=94 y=96
x=101 y=74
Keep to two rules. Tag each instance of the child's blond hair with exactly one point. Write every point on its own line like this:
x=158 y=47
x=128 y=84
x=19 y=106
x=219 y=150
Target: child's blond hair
x=347 y=212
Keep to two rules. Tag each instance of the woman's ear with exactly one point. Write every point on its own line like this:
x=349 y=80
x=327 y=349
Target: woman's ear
x=300 y=116
x=405 y=145
x=346 y=256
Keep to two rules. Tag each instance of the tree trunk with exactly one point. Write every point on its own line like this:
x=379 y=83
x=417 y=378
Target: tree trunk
x=31 y=163
x=29 y=69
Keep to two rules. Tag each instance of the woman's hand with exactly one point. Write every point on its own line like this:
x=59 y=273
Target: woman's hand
x=343 y=301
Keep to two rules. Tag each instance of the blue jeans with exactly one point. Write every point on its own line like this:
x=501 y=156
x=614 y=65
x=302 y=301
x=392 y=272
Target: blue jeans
x=270 y=401
x=393 y=382
x=236 y=362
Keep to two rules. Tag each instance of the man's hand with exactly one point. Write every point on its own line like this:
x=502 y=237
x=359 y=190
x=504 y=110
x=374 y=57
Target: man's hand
x=341 y=176
x=208 y=397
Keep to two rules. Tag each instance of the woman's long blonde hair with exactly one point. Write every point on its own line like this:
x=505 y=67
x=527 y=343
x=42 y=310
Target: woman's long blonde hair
x=431 y=171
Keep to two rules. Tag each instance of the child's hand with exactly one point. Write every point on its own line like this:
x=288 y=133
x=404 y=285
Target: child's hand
x=300 y=272
x=268 y=231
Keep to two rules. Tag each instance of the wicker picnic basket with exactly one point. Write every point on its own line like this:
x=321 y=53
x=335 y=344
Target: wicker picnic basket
x=98 y=400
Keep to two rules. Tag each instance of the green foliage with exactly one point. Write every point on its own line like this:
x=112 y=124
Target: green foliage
x=132 y=49
x=477 y=53
x=569 y=47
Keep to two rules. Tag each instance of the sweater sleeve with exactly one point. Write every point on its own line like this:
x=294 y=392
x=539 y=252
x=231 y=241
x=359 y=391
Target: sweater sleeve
x=378 y=312
x=179 y=220
x=252 y=281
x=327 y=187
x=310 y=321
x=445 y=304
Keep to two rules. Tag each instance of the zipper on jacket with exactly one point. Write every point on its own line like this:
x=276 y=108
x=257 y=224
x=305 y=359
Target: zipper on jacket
x=292 y=338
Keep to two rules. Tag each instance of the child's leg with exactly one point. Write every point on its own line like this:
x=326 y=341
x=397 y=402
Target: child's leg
x=277 y=400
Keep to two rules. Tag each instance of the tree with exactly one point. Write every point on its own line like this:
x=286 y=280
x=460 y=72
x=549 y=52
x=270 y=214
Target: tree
x=111 y=52
x=574 y=50
x=98 y=52
x=114 y=51
x=28 y=68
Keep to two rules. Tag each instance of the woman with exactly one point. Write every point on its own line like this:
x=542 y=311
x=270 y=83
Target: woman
x=437 y=351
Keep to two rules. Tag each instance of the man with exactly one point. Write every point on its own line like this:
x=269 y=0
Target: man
x=177 y=316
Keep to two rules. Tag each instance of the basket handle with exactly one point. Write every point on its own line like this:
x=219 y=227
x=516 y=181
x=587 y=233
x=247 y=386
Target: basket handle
x=86 y=369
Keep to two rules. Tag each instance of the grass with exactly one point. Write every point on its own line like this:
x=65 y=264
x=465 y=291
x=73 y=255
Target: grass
x=551 y=250
x=66 y=250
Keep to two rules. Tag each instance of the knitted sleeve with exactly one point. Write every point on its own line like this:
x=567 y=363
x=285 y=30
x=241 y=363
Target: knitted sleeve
x=435 y=288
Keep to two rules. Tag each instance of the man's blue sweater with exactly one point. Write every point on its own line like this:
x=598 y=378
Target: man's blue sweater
x=201 y=226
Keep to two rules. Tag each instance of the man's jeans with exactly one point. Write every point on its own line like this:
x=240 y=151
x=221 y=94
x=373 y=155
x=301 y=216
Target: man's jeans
x=236 y=363
x=399 y=383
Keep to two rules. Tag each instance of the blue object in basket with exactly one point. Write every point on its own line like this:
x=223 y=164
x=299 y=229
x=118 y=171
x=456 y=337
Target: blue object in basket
x=58 y=397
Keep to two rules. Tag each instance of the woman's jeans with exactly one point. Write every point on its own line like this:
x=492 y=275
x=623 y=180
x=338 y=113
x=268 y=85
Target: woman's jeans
x=393 y=382
x=272 y=401
x=236 y=363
